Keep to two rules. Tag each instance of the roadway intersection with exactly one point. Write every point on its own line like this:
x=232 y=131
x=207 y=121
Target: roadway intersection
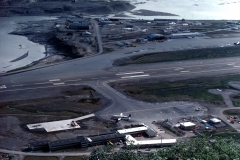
x=97 y=72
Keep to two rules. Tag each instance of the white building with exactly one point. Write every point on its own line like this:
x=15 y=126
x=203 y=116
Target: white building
x=149 y=143
x=215 y=120
x=133 y=130
x=187 y=125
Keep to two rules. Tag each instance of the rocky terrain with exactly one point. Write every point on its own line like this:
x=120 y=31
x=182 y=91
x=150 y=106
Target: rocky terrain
x=34 y=7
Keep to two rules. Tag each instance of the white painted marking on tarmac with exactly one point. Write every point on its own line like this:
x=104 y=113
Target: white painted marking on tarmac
x=129 y=73
x=72 y=80
x=177 y=69
x=58 y=83
x=3 y=86
x=144 y=75
x=53 y=80
x=43 y=83
x=231 y=64
x=17 y=85
x=236 y=66
x=185 y=71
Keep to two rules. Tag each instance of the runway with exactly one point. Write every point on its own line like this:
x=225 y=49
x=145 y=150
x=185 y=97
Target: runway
x=98 y=71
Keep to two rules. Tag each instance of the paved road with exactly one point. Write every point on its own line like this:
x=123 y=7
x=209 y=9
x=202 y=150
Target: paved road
x=99 y=38
x=45 y=154
x=97 y=71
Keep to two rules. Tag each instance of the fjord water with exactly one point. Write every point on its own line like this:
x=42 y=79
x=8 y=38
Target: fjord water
x=14 y=46
x=191 y=9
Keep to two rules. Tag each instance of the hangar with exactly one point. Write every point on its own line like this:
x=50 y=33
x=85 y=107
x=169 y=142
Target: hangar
x=153 y=37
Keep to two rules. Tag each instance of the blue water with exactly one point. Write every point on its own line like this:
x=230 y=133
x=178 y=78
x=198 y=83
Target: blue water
x=191 y=9
x=13 y=46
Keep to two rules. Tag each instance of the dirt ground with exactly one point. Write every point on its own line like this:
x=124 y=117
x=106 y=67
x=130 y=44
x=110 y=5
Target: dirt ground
x=70 y=104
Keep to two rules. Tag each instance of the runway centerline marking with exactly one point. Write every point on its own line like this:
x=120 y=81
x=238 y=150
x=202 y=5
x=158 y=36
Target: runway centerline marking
x=144 y=75
x=58 y=83
x=129 y=73
x=44 y=83
x=184 y=71
x=177 y=69
x=236 y=66
x=54 y=80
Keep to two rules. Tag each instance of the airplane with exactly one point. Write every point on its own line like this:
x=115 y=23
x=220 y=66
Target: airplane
x=121 y=117
x=144 y=30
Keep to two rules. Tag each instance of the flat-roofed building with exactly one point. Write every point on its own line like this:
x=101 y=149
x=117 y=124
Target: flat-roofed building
x=187 y=125
x=104 y=139
x=150 y=143
x=215 y=120
x=133 y=130
x=185 y=35
x=64 y=144
x=39 y=145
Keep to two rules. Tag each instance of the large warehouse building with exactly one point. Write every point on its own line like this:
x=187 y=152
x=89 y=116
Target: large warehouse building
x=84 y=142
x=153 y=37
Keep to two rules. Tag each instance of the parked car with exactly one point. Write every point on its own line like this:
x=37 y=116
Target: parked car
x=237 y=43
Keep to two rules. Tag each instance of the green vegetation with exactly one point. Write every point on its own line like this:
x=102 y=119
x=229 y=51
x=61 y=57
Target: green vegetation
x=221 y=32
x=235 y=136
x=194 y=149
x=236 y=100
x=232 y=112
x=192 y=89
x=236 y=103
x=193 y=54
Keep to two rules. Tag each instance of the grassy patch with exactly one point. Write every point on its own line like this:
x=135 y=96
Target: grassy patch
x=192 y=89
x=107 y=50
x=234 y=135
x=236 y=103
x=236 y=100
x=40 y=158
x=221 y=32
x=194 y=54
x=232 y=112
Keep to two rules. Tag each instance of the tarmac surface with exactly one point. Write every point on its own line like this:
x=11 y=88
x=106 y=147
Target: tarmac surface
x=97 y=72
